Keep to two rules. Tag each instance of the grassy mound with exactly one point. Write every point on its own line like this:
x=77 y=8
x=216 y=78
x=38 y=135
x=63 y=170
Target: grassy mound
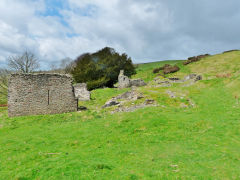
x=164 y=142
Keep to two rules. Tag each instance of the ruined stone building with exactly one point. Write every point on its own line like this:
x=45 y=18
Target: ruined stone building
x=125 y=82
x=34 y=94
x=81 y=92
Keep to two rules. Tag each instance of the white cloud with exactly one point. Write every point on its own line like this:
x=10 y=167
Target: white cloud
x=147 y=30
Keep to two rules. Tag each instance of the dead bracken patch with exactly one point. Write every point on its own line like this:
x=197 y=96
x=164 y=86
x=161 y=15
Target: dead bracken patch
x=195 y=59
x=167 y=69
x=228 y=75
x=3 y=105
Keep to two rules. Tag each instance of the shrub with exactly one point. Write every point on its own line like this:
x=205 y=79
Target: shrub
x=101 y=68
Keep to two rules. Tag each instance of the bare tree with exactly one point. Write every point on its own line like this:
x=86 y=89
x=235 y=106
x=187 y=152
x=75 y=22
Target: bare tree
x=66 y=65
x=25 y=63
x=4 y=81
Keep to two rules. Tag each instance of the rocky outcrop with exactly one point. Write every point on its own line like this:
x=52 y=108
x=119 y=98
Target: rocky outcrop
x=127 y=96
x=81 y=92
x=130 y=95
x=194 y=77
x=111 y=102
x=137 y=82
x=125 y=82
x=147 y=103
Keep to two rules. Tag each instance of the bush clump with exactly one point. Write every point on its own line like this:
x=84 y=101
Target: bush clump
x=101 y=69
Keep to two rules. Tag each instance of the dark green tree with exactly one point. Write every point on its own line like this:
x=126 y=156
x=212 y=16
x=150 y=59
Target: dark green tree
x=101 y=68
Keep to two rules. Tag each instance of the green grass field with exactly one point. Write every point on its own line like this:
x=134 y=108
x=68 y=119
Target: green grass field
x=163 y=142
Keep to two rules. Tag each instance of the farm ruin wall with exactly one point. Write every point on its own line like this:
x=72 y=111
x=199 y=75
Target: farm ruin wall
x=35 y=94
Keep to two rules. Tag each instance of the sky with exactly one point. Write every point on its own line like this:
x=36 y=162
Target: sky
x=147 y=30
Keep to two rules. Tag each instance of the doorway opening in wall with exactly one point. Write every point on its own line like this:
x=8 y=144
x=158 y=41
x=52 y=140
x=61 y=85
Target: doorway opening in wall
x=48 y=96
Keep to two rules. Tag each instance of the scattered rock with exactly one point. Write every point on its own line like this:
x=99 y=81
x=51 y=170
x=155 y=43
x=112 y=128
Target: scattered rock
x=127 y=96
x=164 y=84
x=149 y=101
x=174 y=79
x=130 y=95
x=191 y=103
x=183 y=105
x=190 y=76
x=111 y=102
x=137 y=82
x=194 y=77
x=171 y=94
x=198 y=78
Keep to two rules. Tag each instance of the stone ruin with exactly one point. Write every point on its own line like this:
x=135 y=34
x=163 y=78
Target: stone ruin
x=81 y=92
x=125 y=82
x=35 y=94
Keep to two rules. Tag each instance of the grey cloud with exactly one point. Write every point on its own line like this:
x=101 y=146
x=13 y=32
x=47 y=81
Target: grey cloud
x=147 y=30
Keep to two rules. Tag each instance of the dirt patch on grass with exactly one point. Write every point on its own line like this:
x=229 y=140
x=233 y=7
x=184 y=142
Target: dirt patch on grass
x=3 y=105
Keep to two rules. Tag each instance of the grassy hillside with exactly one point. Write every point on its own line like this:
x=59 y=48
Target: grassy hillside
x=163 y=142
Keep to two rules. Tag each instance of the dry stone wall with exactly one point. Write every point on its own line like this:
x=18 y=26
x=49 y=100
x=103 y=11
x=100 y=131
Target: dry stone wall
x=34 y=94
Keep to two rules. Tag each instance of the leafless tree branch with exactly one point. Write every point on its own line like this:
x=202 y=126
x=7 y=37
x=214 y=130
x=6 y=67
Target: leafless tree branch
x=25 y=63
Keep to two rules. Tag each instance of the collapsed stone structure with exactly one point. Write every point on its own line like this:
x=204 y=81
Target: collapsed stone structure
x=125 y=82
x=34 y=94
x=81 y=92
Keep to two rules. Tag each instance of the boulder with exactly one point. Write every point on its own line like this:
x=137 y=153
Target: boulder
x=198 y=78
x=137 y=82
x=111 y=102
x=190 y=76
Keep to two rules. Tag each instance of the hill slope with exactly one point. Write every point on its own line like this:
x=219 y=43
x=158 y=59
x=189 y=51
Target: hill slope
x=197 y=141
